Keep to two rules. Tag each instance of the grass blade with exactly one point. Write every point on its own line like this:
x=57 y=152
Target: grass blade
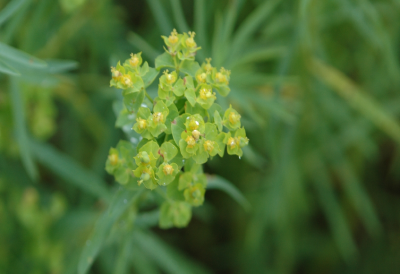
x=356 y=98
x=21 y=57
x=20 y=129
x=179 y=16
x=5 y=68
x=140 y=43
x=70 y=170
x=165 y=256
x=161 y=17
x=122 y=199
x=10 y=9
x=217 y=182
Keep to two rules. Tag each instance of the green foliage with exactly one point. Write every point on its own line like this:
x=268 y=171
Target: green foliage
x=196 y=137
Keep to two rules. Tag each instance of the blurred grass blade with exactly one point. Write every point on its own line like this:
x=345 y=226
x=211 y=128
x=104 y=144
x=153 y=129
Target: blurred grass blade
x=122 y=260
x=169 y=259
x=122 y=199
x=60 y=66
x=250 y=25
x=217 y=182
x=142 y=45
x=161 y=17
x=18 y=111
x=142 y=263
x=261 y=55
x=179 y=16
x=199 y=26
x=357 y=98
x=21 y=57
x=70 y=170
x=10 y=9
x=4 y=68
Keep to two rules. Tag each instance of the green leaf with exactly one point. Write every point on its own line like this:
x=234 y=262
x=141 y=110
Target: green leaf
x=217 y=182
x=164 y=60
x=169 y=259
x=173 y=192
x=20 y=57
x=173 y=113
x=69 y=170
x=201 y=155
x=122 y=199
x=218 y=120
x=150 y=76
x=177 y=127
x=168 y=151
x=185 y=180
x=191 y=96
x=151 y=147
x=189 y=67
x=176 y=214
x=10 y=9
x=18 y=111
x=133 y=100
x=160 y=107
x=5 y=68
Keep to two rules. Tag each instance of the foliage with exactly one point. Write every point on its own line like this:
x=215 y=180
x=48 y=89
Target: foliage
x=315 y=83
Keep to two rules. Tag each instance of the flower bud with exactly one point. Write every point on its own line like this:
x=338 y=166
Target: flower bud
x=196 y=134
x=113 y=159
x=168 y=169
x=208 y=66
x=205 y=93
x=158 y=117
x=115 y=73
x=234 y=118
x=142 y=123
x=173 y=38
x=145 y=176
x=201 y=77
x=193 y=125
x=209 y=146
x=190 y=141
x=144 y=157
x=134 y=61
x=232 y=142
x=190 y=41
x=243 y=141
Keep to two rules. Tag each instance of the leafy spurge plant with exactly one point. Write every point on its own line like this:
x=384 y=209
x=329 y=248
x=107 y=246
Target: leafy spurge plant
x=180 y=129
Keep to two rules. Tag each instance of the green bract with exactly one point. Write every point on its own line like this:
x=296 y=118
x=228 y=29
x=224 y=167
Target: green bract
x=178 y=131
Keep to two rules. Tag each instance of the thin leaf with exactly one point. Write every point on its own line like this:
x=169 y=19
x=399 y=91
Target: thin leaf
x=160 y=16
x=217 y=182
x=21 y=130
x=140 y=43
x=169 y=259
x=122 y=199
x=21 y=57
x=357 y=98
x=10 y=9
x=70 y=170
x=179 y=16
x=5 y=68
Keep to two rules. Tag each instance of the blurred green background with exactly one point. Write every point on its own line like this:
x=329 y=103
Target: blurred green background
x=317 y=84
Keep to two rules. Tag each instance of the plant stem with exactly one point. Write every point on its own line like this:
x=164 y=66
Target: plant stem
x=148 y=97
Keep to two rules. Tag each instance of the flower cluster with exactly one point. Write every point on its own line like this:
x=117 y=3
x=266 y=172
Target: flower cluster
x=181 y=130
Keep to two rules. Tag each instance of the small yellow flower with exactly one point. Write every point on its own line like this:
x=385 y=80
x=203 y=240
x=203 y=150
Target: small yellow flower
x=208 y=66
x=201 y=77
x=168 y=169
x=206 y=93
x=126 y=80
x=209 y=146
x=190 y=142
x=232 y=142
x=113 y=159
x=193 y=125
x=170 y=78
x=234 y=118
x=115 y=73
x=190 y=41
x=221 y=76
x=173 y=38
x=134 y=61
x=142 y=123
x=196 y=134
x=158 y=117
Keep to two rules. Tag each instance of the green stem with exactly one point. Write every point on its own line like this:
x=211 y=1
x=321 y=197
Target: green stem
x=166 y=136
x=182 y=110
x=148 y=97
